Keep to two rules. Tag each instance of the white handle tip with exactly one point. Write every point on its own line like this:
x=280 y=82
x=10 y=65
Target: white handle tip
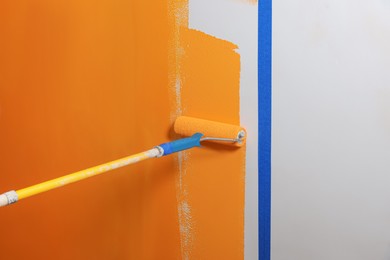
x=8 y=198
x=3 y=200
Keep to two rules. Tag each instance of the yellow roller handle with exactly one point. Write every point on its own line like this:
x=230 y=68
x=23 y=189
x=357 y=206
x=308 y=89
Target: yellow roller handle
x=188 y=126
x=14 y=196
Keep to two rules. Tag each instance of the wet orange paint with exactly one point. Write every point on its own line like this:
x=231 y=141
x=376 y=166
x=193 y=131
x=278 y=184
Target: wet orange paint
x=86 y=82
x=211 y=179
x=82 y=83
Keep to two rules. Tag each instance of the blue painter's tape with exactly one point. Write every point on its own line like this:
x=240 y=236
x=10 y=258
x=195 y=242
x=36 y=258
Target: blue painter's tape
x=265 y=98
x=181 y=144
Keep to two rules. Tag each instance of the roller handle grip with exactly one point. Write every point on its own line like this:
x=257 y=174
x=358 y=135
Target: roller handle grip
x=181 y=144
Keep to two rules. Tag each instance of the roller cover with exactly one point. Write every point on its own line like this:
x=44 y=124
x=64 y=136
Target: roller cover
x=188 y=126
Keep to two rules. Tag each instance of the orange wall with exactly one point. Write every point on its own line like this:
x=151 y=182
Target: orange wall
x=85 y=82
x=81 y=83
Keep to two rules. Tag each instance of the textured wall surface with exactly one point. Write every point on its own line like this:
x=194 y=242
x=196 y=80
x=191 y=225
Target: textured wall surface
x=331 y=131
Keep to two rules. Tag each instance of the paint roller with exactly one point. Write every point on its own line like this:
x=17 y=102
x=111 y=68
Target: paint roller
x=198 y=130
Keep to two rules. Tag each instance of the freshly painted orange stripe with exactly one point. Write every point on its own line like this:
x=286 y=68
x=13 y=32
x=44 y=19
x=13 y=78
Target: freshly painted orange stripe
x=211 y=179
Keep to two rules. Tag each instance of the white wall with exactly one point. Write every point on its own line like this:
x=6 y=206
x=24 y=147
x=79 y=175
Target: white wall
x=331 y=130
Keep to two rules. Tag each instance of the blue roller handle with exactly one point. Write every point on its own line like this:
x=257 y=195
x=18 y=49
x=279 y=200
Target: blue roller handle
x=181 y=144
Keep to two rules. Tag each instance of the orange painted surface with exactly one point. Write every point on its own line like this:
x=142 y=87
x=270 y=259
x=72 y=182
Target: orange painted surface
x=250 y=1
x=211 y=178
x=82 y=83
x=86 y=82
